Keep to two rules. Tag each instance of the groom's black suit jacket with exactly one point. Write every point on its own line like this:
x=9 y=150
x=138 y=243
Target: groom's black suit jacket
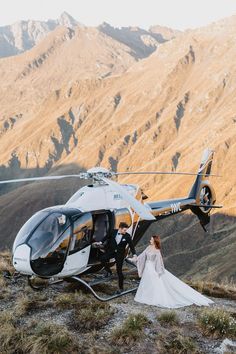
x=119 y=250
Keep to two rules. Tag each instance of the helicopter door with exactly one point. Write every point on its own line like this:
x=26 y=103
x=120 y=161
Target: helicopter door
x=80 y=245
x=101 y=226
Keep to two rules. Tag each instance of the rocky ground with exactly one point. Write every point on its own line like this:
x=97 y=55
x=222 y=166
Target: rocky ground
x=64 y=318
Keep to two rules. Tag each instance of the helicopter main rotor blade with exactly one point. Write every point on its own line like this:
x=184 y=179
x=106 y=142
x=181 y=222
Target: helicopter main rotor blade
x=138 y=207
x=30 y=179
x=163 y=173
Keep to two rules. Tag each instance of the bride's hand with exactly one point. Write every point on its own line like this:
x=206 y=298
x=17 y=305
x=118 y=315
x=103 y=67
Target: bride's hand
x=132 y=260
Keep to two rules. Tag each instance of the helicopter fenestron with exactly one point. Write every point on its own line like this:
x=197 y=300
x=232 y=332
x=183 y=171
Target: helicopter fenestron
x=61 y=242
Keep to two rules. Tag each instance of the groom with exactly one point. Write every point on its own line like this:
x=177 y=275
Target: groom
x=115 y=247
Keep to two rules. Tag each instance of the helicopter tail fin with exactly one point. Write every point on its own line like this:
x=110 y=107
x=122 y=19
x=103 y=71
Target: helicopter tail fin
x=203 y=172
x=202 y=191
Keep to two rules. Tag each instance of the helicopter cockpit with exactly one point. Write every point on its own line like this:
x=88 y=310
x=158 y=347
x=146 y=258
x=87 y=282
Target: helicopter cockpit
x=52 y=235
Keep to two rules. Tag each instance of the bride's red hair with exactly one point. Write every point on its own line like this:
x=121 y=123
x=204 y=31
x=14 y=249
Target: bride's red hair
x=157 y=241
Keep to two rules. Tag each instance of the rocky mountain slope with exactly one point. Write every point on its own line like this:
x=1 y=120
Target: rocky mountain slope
x=81 y=98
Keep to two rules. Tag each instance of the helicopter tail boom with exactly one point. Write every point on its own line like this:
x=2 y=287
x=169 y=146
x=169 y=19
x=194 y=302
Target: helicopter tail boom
x=200 y=200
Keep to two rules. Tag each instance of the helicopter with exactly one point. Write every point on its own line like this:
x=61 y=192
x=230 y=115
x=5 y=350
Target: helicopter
x=61 y=242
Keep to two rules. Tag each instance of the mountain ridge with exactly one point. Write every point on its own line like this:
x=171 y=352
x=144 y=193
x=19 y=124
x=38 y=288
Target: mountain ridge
x=24 y=35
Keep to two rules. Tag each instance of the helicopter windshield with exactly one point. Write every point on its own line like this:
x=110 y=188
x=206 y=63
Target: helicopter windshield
x=49 y=243
x=28 y=227
x=47 y=235
x=56 y=237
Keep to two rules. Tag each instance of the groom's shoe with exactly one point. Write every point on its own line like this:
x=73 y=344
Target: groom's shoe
x=119 y=291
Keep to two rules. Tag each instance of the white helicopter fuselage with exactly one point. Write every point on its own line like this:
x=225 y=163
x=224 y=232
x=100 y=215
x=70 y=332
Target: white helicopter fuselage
x=98 y=196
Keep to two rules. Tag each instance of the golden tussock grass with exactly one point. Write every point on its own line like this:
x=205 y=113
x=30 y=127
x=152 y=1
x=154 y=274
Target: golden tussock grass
x=6 y=266
x=130 y=331
x=50 y=338
x=90 y=316
x=224 y=289
x=26 y=304
x=12 y=336
x=217 y=322
x=70 y=300
x=34 y=337
x=5 y=292
x=177 y=343
x=168 y=318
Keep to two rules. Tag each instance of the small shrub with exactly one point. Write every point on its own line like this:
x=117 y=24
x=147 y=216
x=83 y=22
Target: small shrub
x=218 y=323
x=130 y=331
x=136 y=322
x=90 y=316
x=11 y=336
x=6 y=263
x=3 y=283
x=6 y=316
x=5 y=292
x=49 y=338
x=178 y=344
x=27 y=304
x=102 y=349
x=70 y=300
x=169 y=318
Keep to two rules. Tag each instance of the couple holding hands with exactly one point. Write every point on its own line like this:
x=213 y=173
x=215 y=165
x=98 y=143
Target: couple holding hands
x=157 y=286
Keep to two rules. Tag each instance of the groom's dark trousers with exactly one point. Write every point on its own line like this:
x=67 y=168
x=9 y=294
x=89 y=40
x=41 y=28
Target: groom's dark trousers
x=118 y=252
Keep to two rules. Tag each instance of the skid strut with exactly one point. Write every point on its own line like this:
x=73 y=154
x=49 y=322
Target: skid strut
x=99 y=297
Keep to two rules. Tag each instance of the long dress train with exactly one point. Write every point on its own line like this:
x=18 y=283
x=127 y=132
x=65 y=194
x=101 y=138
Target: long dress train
x=161 y=288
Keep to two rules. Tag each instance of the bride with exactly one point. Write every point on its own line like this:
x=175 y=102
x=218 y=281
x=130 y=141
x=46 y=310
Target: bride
x=158 y=286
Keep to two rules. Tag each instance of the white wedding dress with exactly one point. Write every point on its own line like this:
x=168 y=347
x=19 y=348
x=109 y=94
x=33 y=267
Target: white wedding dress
x=161 y=288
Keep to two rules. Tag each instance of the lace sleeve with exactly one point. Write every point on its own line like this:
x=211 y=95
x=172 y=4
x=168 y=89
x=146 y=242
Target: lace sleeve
x=159 y=265
x=141 y=260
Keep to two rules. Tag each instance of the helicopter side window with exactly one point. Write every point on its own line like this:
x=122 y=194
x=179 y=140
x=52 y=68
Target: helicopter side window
x=82 y=232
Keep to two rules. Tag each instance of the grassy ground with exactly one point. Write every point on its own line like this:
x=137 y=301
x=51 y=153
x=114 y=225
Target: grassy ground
x=224 y=289
x=65 y=319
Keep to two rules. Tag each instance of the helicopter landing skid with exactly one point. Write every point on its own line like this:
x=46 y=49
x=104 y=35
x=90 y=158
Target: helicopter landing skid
x=104 y=299
x=101 y=280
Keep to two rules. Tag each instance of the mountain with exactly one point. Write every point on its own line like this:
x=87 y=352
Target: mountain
x=142 y=42
x=23 y=35
x=163 y=33
x=81 y=98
